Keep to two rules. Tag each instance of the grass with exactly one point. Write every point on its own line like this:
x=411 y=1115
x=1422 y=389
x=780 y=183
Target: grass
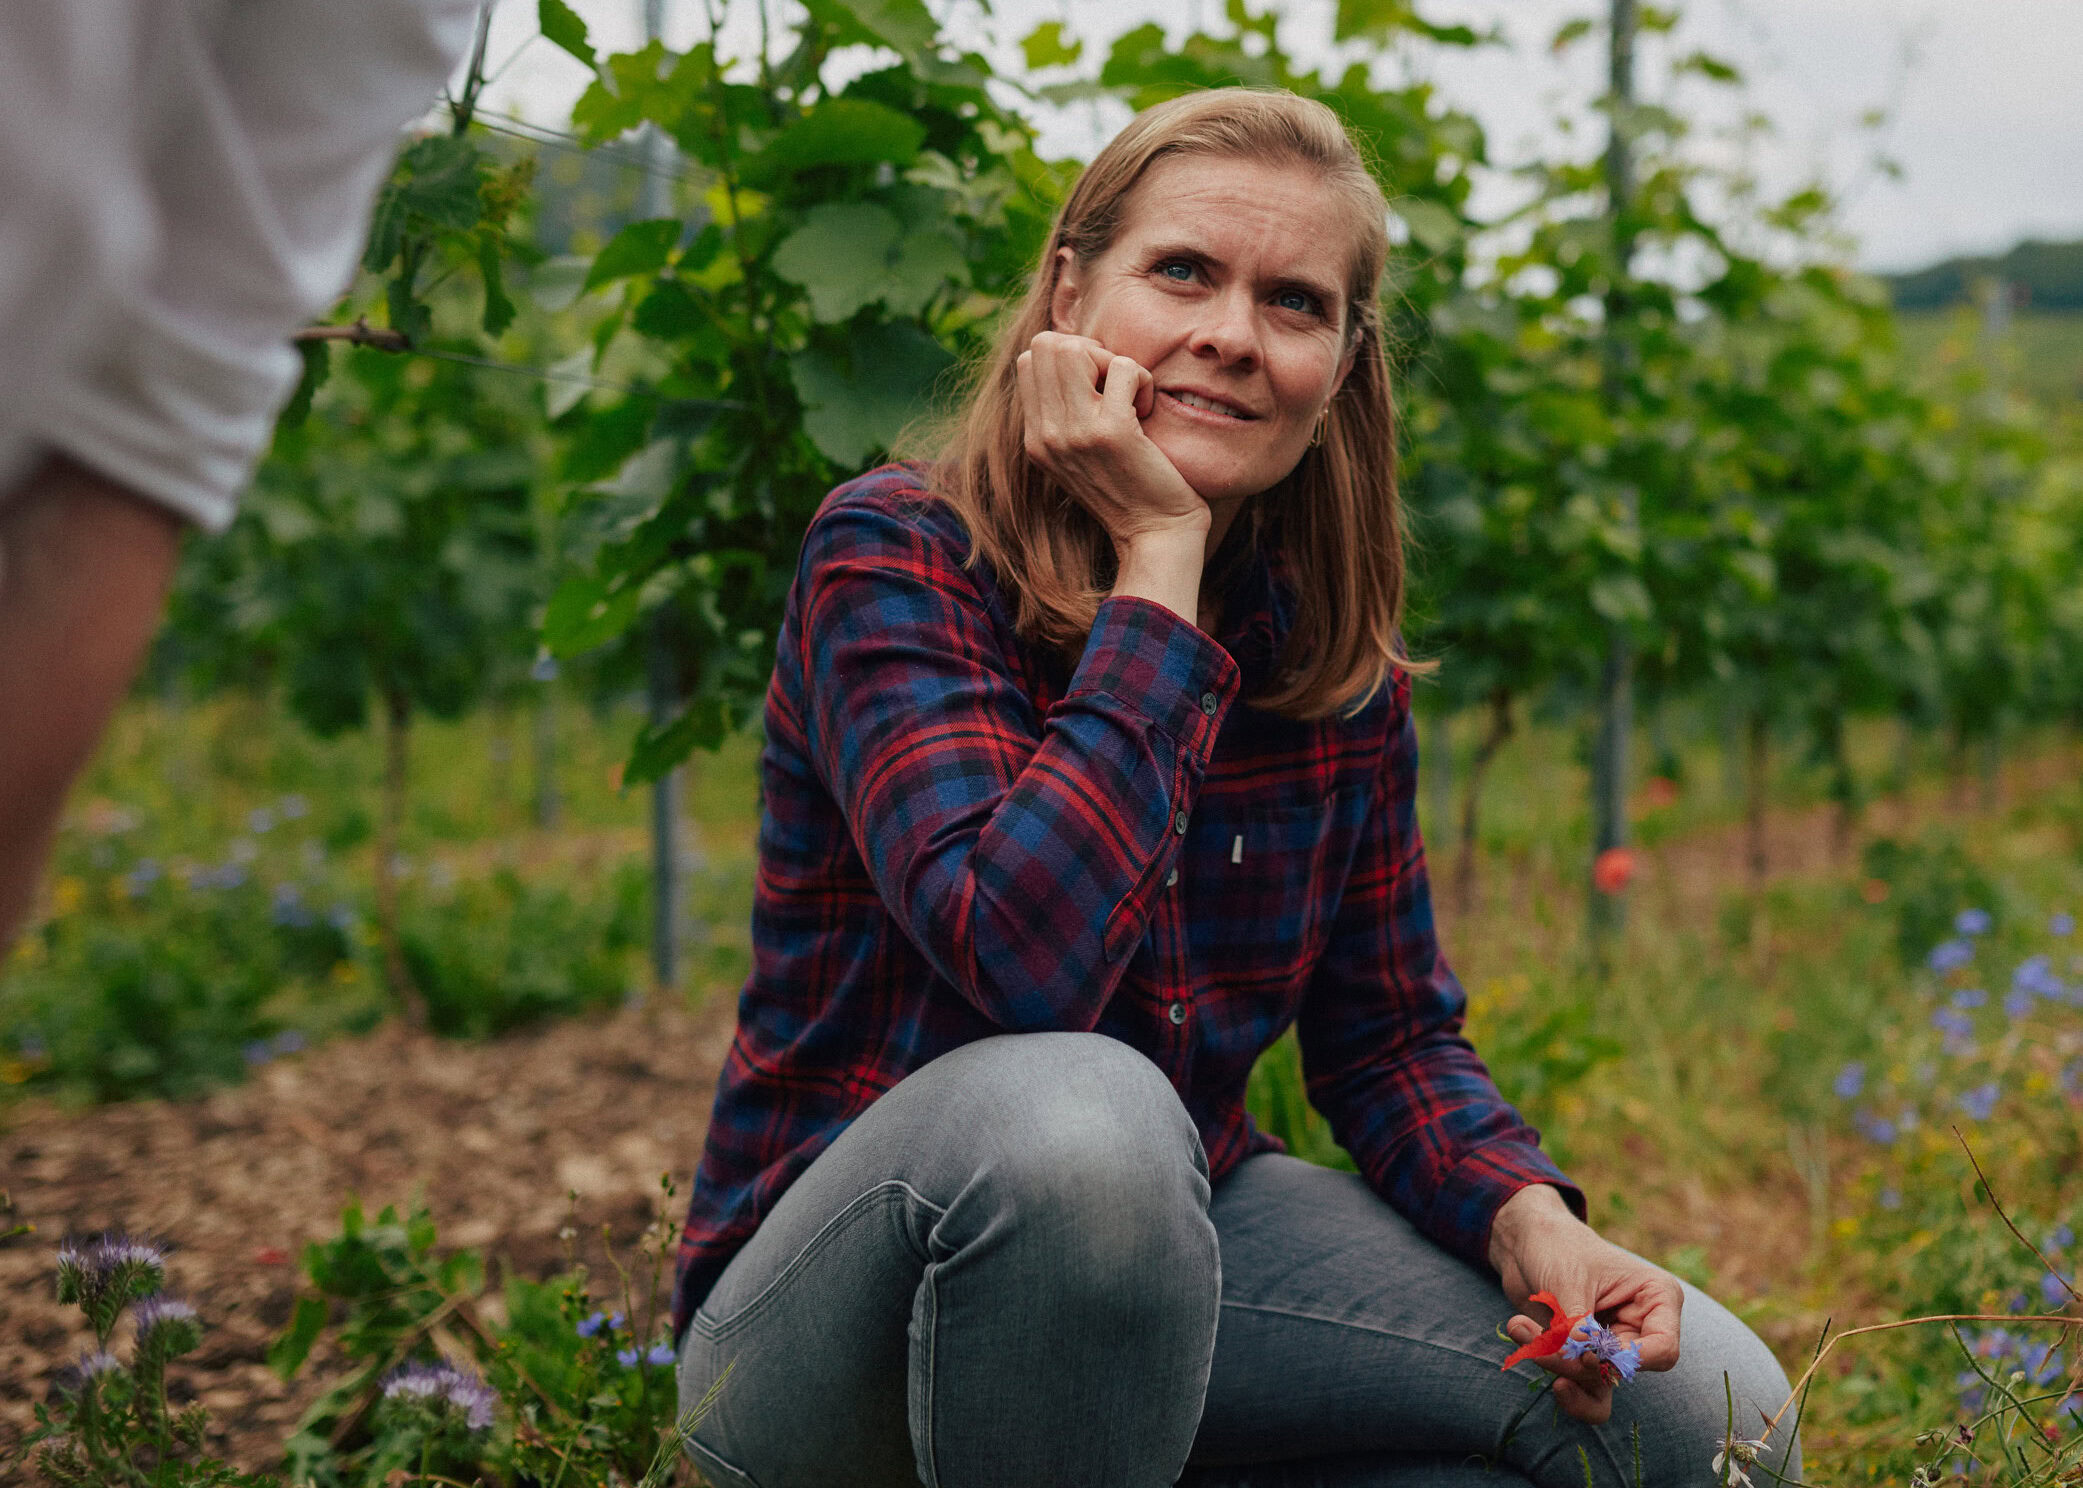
x=1692 y=1087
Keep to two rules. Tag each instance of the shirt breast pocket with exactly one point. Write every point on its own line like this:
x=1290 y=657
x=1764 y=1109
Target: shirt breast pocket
x=1253 y=876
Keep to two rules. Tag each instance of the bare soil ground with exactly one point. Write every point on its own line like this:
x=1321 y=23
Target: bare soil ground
x=495 y=1136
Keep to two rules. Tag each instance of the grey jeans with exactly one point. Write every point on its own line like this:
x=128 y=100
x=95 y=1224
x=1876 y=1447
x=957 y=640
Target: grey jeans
x=1010 y=1272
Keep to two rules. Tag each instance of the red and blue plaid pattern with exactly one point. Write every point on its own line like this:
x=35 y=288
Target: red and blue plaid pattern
x=962 y=837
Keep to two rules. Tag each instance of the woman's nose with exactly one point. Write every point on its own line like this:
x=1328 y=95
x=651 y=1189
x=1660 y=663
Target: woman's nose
x=1229 y=330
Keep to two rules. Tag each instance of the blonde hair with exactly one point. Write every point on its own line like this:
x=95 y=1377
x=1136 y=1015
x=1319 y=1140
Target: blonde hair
x=1333 y=524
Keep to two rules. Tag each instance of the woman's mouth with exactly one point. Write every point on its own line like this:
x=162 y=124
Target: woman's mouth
x=1202 y=404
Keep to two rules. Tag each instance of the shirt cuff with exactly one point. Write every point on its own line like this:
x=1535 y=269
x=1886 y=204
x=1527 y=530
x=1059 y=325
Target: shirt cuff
x=1467 y=1202
x=1173 y=673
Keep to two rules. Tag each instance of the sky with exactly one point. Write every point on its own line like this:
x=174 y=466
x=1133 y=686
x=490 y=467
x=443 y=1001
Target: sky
x=1981 y=100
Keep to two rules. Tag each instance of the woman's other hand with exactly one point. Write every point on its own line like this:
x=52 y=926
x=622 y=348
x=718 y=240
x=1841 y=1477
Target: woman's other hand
x=1084 y=409
x=1537 y=1245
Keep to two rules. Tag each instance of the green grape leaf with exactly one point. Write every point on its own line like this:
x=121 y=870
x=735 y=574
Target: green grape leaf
x=859 y=404
x=841 y=254
x=1045 y=46
x=640 y=248
x=927 y=259
x=837 y=131
x=562 y=27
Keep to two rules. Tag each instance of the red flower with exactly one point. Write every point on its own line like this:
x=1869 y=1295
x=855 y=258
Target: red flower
x=1612 y=869
x=1552 y=1338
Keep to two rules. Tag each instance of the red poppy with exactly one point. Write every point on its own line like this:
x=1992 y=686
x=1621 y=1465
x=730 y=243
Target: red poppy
x=1612 y=869
x=1552 y=1337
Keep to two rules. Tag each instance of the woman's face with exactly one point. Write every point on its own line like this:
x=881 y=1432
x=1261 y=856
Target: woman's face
x=1226 y=281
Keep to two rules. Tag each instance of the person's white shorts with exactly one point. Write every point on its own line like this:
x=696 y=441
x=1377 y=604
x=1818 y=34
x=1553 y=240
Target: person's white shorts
x=182 y=184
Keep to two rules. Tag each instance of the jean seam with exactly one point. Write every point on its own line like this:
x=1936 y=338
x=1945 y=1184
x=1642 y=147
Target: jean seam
x=718 y=1329
x=1331 y=1322
x=694 y=1444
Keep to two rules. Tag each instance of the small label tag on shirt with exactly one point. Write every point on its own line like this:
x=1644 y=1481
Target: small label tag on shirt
x=1237 y=849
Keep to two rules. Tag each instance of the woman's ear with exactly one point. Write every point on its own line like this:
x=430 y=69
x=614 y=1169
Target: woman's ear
x=1064 y=298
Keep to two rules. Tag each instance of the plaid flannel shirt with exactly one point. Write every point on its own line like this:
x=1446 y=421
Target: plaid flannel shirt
x=963 y=836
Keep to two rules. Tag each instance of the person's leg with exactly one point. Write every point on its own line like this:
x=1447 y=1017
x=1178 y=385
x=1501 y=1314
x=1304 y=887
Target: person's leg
x=1352 y=1351
x=1002 y=1274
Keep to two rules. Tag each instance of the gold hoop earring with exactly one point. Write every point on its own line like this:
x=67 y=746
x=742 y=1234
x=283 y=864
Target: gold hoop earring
x=1322 y=419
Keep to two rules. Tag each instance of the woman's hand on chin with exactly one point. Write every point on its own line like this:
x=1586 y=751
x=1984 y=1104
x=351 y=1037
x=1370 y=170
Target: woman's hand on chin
x=1084 y=409
x=1537 y=1245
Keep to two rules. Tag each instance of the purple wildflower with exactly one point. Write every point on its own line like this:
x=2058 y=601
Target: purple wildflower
x=444 y=1385
x=2054 y=1290
x=2035 y=974
x=257 y=1052
x=2059 y=923
x=260 y=821
x=1875 y=1128
x=1949 y=955
x=1972 y=922
x=1850 y=1081
x=661 y=1353
x=545 y=668
x=1891 y=1198
x=1970 y=997
x=288 y=1041
x=1617 y=1361
x=591 y=1325
x=1980 y=1101
x=157 y=1312
x=2060 y=1238
x=627 y=1357
x=287 y=908
x=293 y=807
x=2017 y=1003
x=141 y=878
x=95 y=1363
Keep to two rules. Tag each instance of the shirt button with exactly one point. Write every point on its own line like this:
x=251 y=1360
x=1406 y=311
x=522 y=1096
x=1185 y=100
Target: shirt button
x=1208 y=704
x=1179 y=823
x=1177 y=1013
x=1171 y=878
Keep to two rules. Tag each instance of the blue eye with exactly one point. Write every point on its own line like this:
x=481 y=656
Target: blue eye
x=1176 y=269
x=1296 y=299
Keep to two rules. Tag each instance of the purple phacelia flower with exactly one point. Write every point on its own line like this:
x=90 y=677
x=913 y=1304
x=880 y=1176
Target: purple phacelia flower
x=627 y=1357
x=589 y=1326
x=95 y=1363
x=1949 y=955
x=661 y=1353
x=1617 y=1361
x=2061 y=924
x=155 y=1312
x=1972 y=922
x=445 y=1386
x=1980 y=1101
x=1850 y=1081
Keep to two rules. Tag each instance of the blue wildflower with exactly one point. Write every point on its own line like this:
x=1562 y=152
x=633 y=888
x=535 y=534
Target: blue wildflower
x=342 y=918
x=2061 y=1238
x=616 y=1322
x=1970 y=997
x=1875 y=1128
x=1617 y=1361
x=1980 y=1101
x=2055 y=1290
x=591 y=1325
x=288 y=1041
x=1972 y=922
x=141 y=878
x=1850 y=1081
x=545 y=668
x=2061 y=924
x=627 y=1357
x=287 y=908
x=2017 y=1003
x=293 y=807
x=1949 y=955
x=257 y=1052
x=661 y=1353
x=260 y=821
x=2035 y=974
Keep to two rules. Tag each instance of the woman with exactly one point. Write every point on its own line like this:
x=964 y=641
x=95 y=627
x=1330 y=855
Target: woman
x=1089 y=768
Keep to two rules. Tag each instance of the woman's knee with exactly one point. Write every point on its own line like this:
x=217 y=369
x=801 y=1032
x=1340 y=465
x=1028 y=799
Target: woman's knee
x=1091 y=1146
